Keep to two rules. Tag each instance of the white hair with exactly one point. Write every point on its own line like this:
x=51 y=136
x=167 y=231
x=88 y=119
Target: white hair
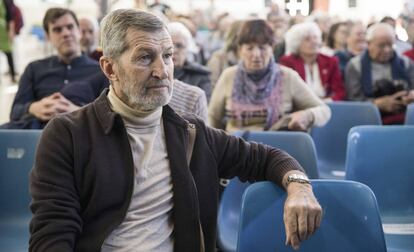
x=381 y=28
x=295 y=35
x=177 y=28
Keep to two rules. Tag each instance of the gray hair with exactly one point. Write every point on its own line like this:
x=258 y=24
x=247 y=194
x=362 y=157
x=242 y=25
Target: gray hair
x=297 y=33
x=374 y=29
x=115 y=25
x=177 y=28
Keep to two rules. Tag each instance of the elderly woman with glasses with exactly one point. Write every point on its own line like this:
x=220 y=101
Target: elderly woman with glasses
x=185 y=69
x=319 y=71
x=259 y=94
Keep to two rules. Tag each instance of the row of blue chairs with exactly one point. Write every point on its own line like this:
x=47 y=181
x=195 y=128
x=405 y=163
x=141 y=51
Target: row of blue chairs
x=331 y=139
x=17 y=148
x=17 y=151
x=378 y=156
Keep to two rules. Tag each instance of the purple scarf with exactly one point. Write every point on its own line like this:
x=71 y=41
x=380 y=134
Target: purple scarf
x=257 y=91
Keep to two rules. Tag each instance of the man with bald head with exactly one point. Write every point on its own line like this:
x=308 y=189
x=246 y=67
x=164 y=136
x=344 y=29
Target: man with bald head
x=381 y=76
x=89 y=28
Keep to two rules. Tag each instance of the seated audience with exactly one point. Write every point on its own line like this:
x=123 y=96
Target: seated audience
x=89 y=28
x=336 y=38
x=279 y=21
x=382 y=76
x=185 y=70
x=356 y=44
x=319 y=71
x=259 y=94
x=399 y=46
x=39 y=96
x=226 y=56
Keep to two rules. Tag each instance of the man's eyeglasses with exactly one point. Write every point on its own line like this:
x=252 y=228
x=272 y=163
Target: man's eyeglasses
x=179 y=46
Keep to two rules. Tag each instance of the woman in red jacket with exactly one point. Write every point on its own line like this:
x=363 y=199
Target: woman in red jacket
x=321 y=72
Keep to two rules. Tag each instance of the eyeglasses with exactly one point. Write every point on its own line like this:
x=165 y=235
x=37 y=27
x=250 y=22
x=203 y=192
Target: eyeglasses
x=179 y=46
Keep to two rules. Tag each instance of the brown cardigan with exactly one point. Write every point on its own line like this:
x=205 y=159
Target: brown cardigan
x=82 y=180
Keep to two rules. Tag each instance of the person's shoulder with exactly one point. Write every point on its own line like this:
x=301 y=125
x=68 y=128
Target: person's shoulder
x=230 y=71
x=81 y=113
x=218 y=55
x=93 y=113
x=183 y=87
x=341 y=53
x=288 y=72
x=196 y=68
x=291 y=60
x=44 y=61
x=71 y=120
x=326 y=57
x=85 y=60
x=288 y=57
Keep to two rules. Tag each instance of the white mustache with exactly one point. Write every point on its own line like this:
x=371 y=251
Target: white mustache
x=159 y=83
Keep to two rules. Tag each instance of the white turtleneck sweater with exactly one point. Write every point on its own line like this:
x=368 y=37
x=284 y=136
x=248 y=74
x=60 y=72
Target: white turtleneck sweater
x=148 y=224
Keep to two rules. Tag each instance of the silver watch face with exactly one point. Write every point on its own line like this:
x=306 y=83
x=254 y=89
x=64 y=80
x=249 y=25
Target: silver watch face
x=298 y=178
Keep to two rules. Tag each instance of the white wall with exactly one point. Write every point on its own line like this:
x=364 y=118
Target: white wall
x=237 y=8
x=366 y=9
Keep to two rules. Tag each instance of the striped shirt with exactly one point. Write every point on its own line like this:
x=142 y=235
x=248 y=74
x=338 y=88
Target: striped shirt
x=188 y=99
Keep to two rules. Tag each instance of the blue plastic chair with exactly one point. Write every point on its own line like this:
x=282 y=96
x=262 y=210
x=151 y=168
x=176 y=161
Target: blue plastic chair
x=350 y=222
x=17 y=151
x=330 y=140
x=297 y=144
x=409 y=115
x=382 y=157
x=38 y=31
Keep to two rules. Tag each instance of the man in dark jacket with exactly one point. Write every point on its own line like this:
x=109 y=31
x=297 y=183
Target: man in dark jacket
x=117 y=175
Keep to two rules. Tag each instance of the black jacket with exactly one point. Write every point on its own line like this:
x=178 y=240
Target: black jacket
x=196 y=75
x=82 y=181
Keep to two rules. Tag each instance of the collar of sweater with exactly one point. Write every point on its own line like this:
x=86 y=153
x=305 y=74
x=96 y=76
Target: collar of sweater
x=132 y=117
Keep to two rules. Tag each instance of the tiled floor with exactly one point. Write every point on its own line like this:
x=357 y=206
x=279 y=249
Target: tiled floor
x=26 y=49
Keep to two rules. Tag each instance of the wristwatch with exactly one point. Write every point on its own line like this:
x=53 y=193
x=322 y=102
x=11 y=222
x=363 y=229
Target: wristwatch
x=299 y=178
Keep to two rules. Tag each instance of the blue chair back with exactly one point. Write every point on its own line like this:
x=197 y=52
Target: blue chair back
x=331 y=139
x=382 y=157
x=297 y=144
x=17 y=151
x=350 y=219
x=409 y=115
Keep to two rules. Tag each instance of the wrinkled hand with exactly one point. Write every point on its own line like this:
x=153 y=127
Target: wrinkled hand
x=391 y=103
x=302 y=214
x=50 y=106
x=300 y=121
